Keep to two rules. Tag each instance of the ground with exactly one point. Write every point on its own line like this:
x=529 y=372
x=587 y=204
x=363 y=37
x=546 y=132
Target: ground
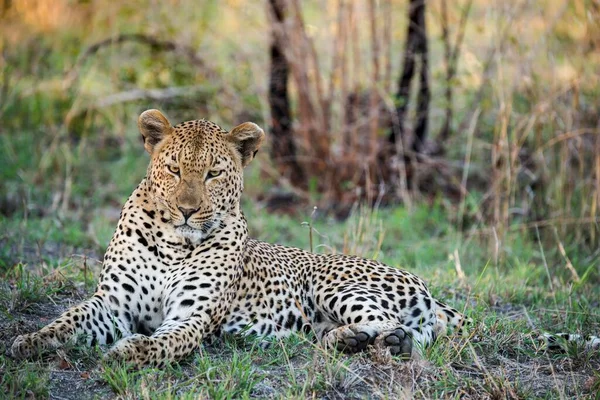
x=501 y=358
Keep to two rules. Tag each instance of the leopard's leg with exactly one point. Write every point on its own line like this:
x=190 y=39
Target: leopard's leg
x=366 y=317
x=170 y=342
x=190 y=315
x=93 y=319
x=353 y=338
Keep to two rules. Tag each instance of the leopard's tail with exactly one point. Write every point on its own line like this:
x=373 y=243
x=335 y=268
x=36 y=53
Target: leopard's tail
x=449 y=320
x=560 y=341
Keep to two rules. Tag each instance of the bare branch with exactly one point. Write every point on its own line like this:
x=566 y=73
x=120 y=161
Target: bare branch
x=146 y=94
x=151 y=41
x=451 y=59
x=374 y=98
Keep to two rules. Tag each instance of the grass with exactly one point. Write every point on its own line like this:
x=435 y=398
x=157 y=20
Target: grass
x=513 y=291
x=24 y=381
x=511 y=302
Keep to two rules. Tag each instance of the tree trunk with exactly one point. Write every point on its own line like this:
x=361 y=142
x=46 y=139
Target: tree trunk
x=283 y=148
x=424 y=97
x=416 y=46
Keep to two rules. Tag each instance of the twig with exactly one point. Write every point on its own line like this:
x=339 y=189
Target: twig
x=400 y=153
x=353 y=22
x=312 y=54
x=137 y=94
x=457 y=266
x=487 y=65
x=153 y=42
x=374 y=98
x=528 y=318
x=338 y=58
x=596 y=199
x=465 y=175
x=387 y=45
x=451 y=58
x=537 y=233
x=562 y=251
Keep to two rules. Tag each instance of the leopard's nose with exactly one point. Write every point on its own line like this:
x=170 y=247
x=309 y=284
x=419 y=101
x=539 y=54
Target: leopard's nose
x=187 y=212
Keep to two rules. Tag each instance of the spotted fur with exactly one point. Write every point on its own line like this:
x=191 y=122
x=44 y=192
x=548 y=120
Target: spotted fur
x=180 y=267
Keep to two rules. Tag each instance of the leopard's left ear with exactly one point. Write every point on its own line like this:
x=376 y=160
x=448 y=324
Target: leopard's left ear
x=247 y=139
x=154 y=127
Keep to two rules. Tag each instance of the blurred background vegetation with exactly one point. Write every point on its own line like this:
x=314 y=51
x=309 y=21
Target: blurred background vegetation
x=511 y=179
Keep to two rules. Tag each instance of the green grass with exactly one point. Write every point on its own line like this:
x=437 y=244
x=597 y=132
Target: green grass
x=513 y=291
x=23 y=381
x=511 y=303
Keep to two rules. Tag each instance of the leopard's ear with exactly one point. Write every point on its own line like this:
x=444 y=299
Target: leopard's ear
x=154 y=127
x=247 y=139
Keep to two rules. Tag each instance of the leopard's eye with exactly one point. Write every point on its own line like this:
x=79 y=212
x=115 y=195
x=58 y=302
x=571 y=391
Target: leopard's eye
x=174 y=169
x=213 y=174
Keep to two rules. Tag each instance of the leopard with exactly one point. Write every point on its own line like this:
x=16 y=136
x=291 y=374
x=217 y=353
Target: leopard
x=181 y=269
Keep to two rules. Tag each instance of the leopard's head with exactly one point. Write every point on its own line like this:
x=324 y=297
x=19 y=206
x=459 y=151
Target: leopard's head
x=196 y=170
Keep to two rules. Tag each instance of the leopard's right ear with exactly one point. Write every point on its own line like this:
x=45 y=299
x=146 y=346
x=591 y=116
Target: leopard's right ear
x=154 y=127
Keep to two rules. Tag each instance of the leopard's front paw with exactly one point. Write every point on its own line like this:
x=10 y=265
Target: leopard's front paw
x=135 y=350
x=25 y=346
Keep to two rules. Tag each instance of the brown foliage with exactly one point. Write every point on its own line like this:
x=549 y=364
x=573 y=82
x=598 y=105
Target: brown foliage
x=343 y=152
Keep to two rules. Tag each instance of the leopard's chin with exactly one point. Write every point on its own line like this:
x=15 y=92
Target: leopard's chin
x=196 y=235
x=193 y=235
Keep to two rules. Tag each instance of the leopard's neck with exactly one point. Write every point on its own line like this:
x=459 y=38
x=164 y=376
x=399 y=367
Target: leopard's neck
x=146 y=228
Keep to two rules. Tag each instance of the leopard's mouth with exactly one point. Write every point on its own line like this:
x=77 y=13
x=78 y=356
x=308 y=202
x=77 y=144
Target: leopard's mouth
x=196 y=234
x=205 y=226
